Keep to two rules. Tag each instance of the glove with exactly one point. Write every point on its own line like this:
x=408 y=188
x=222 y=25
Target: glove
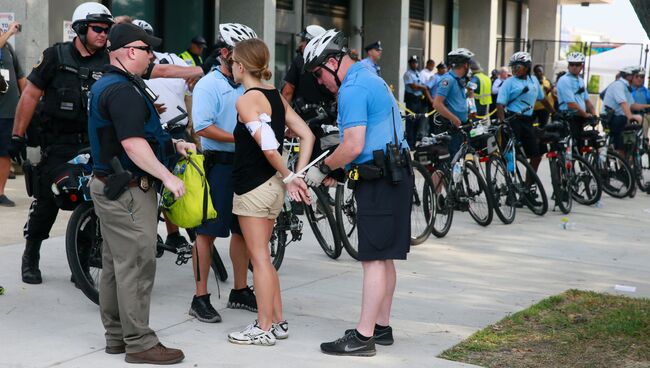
x=314 y=177
x=18 y=149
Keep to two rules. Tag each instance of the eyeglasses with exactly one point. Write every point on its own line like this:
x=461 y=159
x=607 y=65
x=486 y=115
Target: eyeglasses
x=98 y=29
x=146 y=48
x=575 y=64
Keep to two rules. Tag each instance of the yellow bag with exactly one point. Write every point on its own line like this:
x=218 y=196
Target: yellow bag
x=195 y=207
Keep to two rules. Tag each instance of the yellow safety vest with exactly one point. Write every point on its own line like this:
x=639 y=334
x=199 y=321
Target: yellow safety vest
x=187 y=57
x=484 y=96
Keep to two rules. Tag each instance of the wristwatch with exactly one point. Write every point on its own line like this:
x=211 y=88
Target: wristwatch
x=325 y=169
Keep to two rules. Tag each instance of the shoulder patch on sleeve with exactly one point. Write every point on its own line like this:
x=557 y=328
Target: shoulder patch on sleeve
x=40 y=60
x=444 y=83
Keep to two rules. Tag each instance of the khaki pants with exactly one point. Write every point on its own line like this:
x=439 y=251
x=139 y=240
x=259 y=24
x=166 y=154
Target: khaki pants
x=646 y=125
x=128 y=227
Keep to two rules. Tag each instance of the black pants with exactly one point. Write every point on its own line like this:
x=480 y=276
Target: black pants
x=415 y=128
x=43 y=211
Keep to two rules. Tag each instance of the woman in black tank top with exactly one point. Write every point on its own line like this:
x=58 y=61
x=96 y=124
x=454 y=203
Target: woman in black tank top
x=257 y=180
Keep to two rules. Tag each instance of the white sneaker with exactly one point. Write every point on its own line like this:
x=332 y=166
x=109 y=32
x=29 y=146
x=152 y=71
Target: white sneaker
x=280 y=330
x=253 y=335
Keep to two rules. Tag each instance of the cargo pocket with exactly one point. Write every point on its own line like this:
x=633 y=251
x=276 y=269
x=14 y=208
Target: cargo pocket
x=376 y=228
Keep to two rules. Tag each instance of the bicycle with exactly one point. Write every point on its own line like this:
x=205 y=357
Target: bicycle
x=557 y=140
x=637 y=155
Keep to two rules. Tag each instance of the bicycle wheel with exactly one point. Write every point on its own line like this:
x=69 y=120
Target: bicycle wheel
x=83 y=246
x=346 y=219
x=278 y=241
x=323 y=223
x=615 y=174
x=444 y=213
x=480 y=204
x=643 y=171
x=531 y=190
x=422 y=205
x=504 y=197
x=587 y=188
x=561 y=188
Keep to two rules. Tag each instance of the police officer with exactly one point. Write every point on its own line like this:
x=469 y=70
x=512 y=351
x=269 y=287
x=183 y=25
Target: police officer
x=451 y=96
x=300 y=84
x=416 y=99
x=483 y=90
x=619 y=100
x=517 y=96
x=192 y=56
x=371 y=142
x=373 y=54
x=573 y=96
x=63 y=77
x=130 y=139
x=215 y=117
x=642 y=96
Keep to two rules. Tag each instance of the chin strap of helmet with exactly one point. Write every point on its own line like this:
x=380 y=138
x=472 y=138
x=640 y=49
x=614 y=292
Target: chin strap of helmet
x=335 y=73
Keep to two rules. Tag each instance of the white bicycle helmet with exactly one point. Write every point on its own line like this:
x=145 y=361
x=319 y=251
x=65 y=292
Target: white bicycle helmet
x=641 y=71
x=320 y=48
x=231 y=33
x=459 y=56
x=521 y=57
x=144 y=25
x=632 y=69
x=311 y=31
x=90 y=12
x=575 y=57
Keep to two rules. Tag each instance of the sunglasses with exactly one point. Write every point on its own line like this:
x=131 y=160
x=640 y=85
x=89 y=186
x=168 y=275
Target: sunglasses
x=146 y=48
x=98 y=29
x=575 y=64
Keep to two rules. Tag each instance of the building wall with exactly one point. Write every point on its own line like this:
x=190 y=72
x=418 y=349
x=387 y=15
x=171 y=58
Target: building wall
x=58 y=12
x=438 y=14
x=478 y=26
x=32 y=40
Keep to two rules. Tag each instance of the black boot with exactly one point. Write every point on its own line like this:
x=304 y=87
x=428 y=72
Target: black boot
x=31 y=256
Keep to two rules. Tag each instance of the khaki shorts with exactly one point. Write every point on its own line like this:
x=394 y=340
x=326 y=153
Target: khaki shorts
x=265 y=201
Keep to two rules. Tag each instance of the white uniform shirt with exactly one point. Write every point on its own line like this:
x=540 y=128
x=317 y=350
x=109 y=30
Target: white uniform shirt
x=171 y=91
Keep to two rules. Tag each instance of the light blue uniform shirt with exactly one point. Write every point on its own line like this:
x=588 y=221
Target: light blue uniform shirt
x=641 y=95
x=450 y=87
x=213 y=103
x=567 y=91
x=432 y=84
x=368 y=63
x=511 y=96
x=365 y=100
x=618 y=92
x=410 y=77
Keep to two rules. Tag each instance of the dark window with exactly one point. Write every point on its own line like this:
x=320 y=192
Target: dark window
x=416 y=14
x=285 y=4
x=330 y=8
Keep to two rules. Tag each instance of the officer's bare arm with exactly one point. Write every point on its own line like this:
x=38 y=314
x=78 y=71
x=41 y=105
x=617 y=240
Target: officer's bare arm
x=298 y=126
x=439 y=104
x=590 y=107
x=501 y=115
x=216 y=134
x=139 y=151
x=287 y=91
x=575 y=107
x=25 y=109
x=547 y=105
x=176 y=71
x=22 y=82
x=353 y=141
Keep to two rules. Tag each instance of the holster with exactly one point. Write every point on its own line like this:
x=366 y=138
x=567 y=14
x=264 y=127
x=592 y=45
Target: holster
x=32 y=179
x=116 y=184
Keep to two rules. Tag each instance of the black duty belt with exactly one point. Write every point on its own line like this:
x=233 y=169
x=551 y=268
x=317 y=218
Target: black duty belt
x=144 y=182
x=219 y=157
x=65 y=138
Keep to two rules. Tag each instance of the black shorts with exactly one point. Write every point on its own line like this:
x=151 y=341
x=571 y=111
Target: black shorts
x=384 y=218
x=527 y=137
x=6 y=126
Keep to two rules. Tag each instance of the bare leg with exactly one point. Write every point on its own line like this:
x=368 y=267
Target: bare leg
x=383 y=318
x=5 y=167
x=374 y=293
x=257 y=232
x=171 y=228
x=277 y=301
x=203 y=246
x=239 y=258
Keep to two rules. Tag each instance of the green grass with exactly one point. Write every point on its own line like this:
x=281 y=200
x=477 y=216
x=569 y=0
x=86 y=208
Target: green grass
x=573 y=329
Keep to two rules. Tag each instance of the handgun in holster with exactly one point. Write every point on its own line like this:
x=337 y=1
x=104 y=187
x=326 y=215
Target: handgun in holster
x=118 y=182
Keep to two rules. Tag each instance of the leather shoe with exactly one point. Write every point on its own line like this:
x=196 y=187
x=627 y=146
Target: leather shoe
x=158 y=354
x=119 y=349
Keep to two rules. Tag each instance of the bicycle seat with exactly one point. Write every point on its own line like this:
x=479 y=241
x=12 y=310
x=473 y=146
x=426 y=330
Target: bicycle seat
x=554 y=126
x=550 y=137
x=632 y=127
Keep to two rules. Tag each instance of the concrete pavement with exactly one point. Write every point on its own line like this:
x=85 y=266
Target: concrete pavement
x=448 y=289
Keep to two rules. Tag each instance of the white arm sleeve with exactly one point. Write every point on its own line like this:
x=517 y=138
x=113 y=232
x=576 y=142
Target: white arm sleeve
x=268 y=140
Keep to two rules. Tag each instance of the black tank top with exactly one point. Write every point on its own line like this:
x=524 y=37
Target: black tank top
x=251 y=168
